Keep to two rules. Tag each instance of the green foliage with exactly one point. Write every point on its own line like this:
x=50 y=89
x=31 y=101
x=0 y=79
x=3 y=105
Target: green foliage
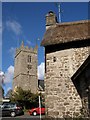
x=25 y=97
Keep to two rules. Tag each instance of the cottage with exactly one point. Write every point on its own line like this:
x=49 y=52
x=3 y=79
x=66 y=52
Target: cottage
x=66 y=48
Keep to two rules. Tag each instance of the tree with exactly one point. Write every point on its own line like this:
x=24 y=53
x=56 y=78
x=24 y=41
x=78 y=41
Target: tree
x=1 y=93
x=2 y=76
x=25 y=97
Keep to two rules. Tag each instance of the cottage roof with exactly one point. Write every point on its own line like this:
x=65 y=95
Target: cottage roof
x=66 y=32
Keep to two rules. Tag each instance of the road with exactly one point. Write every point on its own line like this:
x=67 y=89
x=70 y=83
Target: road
x=26 y=116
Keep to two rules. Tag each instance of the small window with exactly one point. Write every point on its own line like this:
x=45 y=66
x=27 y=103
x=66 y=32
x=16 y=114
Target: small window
x=29 y=58
x=29 y=66
x=54 y=59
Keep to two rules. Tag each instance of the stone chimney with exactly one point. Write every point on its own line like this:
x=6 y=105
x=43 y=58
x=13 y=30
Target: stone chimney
x=50 y=19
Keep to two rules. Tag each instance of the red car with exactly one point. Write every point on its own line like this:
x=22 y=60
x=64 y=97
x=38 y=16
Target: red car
x=36 y=111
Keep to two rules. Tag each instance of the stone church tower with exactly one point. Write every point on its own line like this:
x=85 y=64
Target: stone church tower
x=25 y=73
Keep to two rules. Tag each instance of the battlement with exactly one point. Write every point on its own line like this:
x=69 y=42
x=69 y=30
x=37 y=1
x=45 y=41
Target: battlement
x=26 y=49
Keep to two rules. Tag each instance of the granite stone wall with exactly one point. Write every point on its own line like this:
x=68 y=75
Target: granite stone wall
x=61 y=97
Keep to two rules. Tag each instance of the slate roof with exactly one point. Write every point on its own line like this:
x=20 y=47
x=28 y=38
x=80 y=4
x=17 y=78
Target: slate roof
x=66 y=32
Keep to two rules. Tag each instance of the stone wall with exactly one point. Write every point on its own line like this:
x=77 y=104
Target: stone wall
x=61 y=96
x=26 y=82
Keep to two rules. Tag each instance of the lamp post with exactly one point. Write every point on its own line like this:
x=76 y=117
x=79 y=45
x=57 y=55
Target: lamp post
x=40 y=106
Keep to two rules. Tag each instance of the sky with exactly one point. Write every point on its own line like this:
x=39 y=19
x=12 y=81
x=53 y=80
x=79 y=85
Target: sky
x=26 y=21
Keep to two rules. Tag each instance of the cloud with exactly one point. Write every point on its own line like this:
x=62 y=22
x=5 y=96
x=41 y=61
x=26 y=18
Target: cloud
x=41 y=70
x=9 y=74
x=12 y=52
x=1 y=73
x=14 y=26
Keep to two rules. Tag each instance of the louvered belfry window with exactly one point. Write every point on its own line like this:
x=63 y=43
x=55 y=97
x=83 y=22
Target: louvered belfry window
x=29 y=58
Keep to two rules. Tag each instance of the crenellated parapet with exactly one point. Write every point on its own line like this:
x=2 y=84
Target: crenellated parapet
x=26 y=49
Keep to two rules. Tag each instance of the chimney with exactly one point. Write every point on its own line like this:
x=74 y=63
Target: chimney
x=50 y=19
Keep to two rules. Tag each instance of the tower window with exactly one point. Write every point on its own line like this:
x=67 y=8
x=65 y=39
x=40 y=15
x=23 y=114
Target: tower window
x=29 y=66
x=29 y=58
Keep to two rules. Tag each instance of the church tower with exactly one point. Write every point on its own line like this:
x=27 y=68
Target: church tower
x=25 y=72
